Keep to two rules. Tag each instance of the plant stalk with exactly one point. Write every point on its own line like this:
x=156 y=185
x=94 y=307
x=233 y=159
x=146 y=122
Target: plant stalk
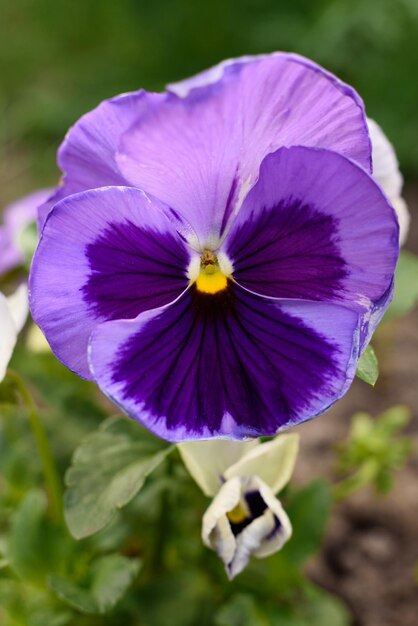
x=49 y=469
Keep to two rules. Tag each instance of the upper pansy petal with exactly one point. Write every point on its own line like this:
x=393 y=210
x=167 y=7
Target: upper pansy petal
x=207 y=461
x=231 y=364
x=104 y=254
x=316 y=227
x=273 y=462
x=200 y=152
x=87 y=154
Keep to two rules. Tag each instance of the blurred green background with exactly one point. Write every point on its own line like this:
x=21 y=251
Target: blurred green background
x=58 y=59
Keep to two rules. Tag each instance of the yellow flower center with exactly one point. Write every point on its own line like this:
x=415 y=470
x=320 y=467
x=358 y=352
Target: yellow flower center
x=239 y=513
x=211 y=279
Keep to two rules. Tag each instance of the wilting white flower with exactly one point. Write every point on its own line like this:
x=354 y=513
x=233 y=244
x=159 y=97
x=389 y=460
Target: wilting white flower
x=13 y=314
x=386 y=172
x=245 y=518
x=35 y=340
x=18 y=233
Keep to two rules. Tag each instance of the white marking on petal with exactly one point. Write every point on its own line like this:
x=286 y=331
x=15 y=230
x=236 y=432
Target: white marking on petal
x=225 y=264
x=363 y=301
x=194 y=268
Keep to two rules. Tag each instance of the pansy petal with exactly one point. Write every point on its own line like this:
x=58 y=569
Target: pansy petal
x=264 y=536
x=315 y=227
x=200 y=151
x=8 y=335
x=386 y=172
x=282 y=530
x=385 y=163
x=216 y=530
x=235 y=365
x=104 y=254
x=404 y=218
x=207 y=461
x=87 y=154
x=273 y=462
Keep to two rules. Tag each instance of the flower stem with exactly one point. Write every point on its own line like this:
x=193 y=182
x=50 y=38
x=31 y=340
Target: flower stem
x=49 y=469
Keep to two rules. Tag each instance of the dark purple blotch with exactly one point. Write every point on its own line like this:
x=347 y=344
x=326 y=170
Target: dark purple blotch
x=133 y=269
x=289 y=251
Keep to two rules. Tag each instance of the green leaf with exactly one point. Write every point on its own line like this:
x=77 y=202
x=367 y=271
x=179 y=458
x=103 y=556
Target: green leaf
x=320 y=608
x=36 y=546
x=26 y=605
x=240 y=610
x=368 y=367
x=73 y=595
x=373 y=451
x=25 y=546
x=181 y=596
x=308 y=510
x=406 y=286
x=107 y=582
x=111 y=577
x=108 y=470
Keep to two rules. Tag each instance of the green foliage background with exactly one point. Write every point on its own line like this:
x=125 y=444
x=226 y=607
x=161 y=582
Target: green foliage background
x=59 y=58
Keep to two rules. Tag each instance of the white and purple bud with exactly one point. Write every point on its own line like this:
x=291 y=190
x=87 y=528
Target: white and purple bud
x=245 y=518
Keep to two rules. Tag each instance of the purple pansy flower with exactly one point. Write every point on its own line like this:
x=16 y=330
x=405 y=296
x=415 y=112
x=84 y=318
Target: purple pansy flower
x=231 y=268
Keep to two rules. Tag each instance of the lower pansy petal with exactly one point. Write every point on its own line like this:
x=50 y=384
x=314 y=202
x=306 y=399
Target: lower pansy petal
x=315 y=227
x=104 y=254
x=230 y=365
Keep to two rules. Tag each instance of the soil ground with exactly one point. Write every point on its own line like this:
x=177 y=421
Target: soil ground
x=370 y=556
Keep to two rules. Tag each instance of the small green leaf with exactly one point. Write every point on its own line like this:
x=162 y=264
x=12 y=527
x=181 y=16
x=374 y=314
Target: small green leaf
x=320 y=608
x=24 y=549
x=406 y=286
x=107 y=582
x=111 y=577
x=35 y=545
x=108 y=470
x=24 y=604
x=240 y=610
x=73 y=595
x=308 y=529
x=373 y=451
x=368 y=367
